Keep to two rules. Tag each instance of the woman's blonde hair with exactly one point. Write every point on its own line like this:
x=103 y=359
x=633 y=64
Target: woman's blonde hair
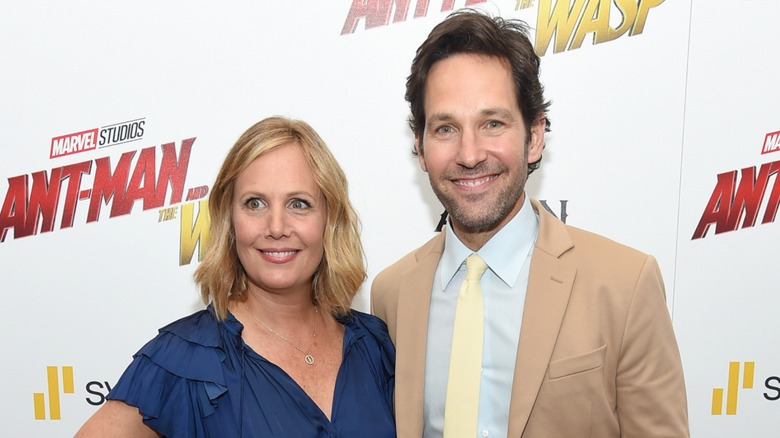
x=342 y=270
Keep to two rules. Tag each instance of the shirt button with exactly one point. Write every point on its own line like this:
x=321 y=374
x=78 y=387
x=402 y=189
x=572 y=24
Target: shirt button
x=485 y=433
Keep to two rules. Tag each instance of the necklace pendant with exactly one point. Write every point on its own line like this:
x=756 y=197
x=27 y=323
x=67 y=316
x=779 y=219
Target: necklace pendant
x=309 y=359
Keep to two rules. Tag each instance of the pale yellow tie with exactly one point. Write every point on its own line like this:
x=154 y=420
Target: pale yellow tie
x=462 y=405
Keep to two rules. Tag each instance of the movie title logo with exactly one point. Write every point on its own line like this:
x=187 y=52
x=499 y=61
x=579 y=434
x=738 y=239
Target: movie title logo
x=377 y=13
x=565 y=23
x=35 y=203
x=738 y=196
x=573 y=22
x=194 y=223
x=91 y=139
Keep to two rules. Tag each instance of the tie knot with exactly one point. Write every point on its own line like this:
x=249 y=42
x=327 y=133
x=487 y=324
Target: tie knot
x=475 y=267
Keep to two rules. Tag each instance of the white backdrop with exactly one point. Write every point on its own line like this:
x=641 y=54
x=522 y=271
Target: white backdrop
x=643 y=124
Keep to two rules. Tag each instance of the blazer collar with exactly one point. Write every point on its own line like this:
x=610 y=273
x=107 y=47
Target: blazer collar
x=414 y=302
x=549 y=287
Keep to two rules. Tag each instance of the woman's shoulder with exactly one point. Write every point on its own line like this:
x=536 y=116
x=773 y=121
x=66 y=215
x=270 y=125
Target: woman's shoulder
x=191 y=347
x=201 y=327
x=372 y=331
x=178 y=375
x=368 y=322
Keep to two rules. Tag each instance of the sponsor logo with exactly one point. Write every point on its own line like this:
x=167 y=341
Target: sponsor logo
x=91 y=139
x=53 y=387
x=564 y=23
x=97 y=390
x=741 y=376
x=733 y=388
x=740 y=194
x=562 y=214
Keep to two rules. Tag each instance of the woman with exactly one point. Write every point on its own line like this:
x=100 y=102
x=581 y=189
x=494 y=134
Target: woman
x=278 y=352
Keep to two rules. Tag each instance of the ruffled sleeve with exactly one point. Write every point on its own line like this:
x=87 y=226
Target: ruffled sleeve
x=176 y=379
x=379 y=349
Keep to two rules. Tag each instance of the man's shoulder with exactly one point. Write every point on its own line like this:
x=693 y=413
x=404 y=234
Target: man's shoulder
x=602 y=256
x=562 y=239
x=596 y=242
x=598 y=248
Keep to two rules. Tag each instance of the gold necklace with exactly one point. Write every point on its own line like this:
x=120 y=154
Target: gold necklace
x=308 y=358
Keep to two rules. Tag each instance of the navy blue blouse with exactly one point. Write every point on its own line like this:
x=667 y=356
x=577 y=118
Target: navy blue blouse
x=197 y=378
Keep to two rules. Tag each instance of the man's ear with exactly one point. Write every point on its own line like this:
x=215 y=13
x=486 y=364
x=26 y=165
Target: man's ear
x=419 y=151
x=536 y=143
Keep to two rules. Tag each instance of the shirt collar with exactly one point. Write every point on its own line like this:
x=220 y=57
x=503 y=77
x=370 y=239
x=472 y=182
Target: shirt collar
x=504 y=253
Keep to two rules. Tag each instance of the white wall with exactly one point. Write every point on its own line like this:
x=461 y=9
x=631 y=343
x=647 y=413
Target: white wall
x=642 y=126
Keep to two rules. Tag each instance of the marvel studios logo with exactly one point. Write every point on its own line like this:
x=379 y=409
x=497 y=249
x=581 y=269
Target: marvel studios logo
x=771 y=142
x=91 y=139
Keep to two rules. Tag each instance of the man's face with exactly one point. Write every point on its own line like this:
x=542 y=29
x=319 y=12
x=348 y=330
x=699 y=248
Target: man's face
x=475 y=148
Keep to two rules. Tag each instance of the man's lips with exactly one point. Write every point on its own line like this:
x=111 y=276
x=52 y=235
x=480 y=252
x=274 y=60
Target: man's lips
x=474 y=182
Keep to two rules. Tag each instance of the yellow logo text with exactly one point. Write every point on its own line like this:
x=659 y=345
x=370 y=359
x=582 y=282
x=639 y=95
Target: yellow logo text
x=571 y=23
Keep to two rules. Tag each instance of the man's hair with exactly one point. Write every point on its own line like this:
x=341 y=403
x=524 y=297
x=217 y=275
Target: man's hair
x=472 y=32
x=221 y=276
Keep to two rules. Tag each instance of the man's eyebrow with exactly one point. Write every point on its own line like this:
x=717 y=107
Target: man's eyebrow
x=440 y=117
x=487 y=112
x=502 y=112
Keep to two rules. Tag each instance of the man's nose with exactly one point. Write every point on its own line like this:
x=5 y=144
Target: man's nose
x=470 y=150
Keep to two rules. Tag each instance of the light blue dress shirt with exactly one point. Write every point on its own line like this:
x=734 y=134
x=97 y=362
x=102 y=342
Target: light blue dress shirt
x=508 y=256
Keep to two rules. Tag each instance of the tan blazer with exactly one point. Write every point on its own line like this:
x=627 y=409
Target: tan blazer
x=597 y=356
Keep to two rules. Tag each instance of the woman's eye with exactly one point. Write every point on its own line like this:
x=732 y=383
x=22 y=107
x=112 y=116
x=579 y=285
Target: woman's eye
x=254 y=203
x=299 y=204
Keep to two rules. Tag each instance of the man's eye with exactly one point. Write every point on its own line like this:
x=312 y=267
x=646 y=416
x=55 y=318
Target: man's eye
x=494 y=124
x=445 y=129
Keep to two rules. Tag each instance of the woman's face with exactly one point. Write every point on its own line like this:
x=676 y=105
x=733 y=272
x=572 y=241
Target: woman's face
x=279 y=220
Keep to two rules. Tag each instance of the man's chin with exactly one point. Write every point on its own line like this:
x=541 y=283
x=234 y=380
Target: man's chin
x=475 y=223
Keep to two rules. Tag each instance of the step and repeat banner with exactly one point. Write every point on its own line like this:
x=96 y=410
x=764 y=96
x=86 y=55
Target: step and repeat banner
x=116 y=117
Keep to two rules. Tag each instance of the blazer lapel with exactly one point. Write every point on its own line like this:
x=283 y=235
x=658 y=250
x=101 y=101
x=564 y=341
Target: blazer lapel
x=414 y=301
x=549 y=287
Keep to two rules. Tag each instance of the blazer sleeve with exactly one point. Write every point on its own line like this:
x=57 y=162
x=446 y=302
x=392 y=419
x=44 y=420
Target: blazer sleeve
x=651 y=399
x=384 y=300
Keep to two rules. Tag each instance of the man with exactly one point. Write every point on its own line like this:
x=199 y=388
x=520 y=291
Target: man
x=577 y=340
